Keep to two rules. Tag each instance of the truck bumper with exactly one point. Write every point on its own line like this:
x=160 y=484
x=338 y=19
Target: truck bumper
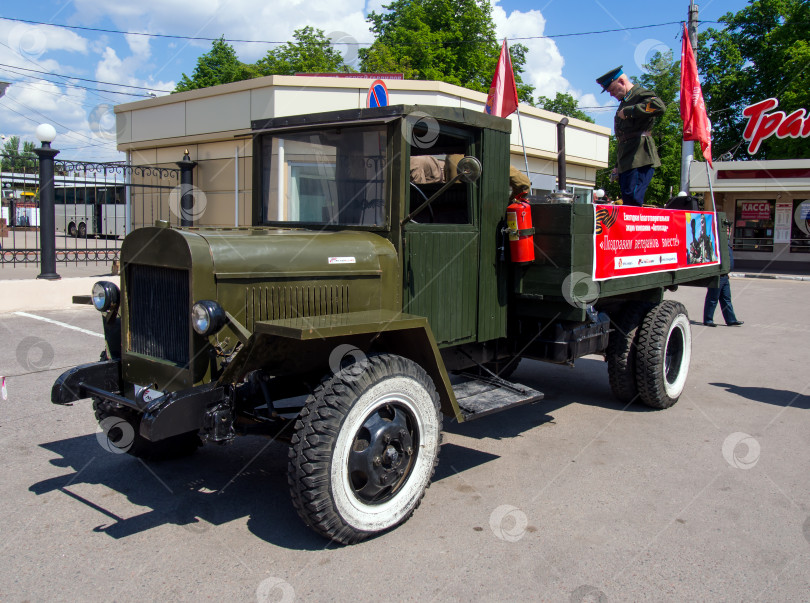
x=172 y=414
x=82 y=381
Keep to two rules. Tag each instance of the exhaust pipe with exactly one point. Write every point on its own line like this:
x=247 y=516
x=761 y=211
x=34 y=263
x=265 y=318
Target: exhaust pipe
x=561 y=195
x=561 y=176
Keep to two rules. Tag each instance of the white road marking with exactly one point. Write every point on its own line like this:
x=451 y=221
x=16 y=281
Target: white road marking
x=61 y=324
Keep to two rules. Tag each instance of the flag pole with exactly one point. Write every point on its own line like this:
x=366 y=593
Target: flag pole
x=711 y=188
x=523 y=143
x=520 y=124
x=714 y=209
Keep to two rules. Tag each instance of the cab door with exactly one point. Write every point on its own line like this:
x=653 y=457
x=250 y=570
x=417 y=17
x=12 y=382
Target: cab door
x=441 y=243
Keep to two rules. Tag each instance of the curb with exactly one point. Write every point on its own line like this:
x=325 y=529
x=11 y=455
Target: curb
x=35 y=294
x=783 y=277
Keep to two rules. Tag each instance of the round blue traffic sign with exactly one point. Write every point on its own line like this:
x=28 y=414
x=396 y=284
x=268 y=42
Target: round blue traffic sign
x=377 y=95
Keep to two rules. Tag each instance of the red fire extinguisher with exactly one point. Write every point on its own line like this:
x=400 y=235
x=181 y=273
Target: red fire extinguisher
x=519 y=228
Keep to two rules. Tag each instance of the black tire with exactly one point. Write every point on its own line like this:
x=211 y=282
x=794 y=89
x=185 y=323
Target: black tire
x=82 y=230
x=664 y=353
x=621 y=351
x=121 y=426
x=72 y=229
x=365 y=448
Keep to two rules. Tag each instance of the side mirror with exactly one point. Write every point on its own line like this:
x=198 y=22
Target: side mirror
x=469 y=169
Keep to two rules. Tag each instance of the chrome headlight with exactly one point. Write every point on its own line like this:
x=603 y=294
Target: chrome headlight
x=106 y=295
x=208 y=317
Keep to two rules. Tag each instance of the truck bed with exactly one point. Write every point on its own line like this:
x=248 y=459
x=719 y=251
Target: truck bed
x=564 y=249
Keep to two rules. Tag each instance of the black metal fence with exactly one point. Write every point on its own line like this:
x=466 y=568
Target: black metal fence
x=94 y=205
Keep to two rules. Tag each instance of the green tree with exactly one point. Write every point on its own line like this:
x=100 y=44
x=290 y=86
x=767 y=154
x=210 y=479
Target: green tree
x=14 y=160
x=220 y=65
x=603 y=181
x=763 y=52
x=311 y=52
x=445 y=40
x=564 y=104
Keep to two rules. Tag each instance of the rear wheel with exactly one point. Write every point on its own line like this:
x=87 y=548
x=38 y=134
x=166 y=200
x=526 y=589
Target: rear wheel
x=72 y=229
x=621 y=350
x=664 y=353
x=82 y=230
x=365 y=448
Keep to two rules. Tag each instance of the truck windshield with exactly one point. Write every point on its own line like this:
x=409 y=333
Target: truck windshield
x=331 y=176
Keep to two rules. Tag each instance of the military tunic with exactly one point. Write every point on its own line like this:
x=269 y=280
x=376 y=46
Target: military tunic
x=635 y=146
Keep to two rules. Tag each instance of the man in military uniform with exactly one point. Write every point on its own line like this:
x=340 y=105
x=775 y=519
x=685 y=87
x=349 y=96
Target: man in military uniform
x=636 y=155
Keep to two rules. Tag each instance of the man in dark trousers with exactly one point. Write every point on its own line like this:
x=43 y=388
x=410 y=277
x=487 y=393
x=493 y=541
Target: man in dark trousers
x=722 y=293
x=636 y=154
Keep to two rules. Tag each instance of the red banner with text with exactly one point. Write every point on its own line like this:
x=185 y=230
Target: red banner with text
x=642 y=240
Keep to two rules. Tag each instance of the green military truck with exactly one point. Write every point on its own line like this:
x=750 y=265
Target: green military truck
x=373 y=297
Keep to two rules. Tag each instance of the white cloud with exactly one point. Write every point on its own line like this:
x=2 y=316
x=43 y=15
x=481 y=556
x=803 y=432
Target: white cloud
x=113 y=69
x=544 y=63
x=235 y=19
x=110 y=68
x=139 y=45
x=33 y=41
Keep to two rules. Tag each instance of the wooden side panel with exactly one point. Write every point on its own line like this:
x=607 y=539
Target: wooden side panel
x=441 y=280
x=493 y=200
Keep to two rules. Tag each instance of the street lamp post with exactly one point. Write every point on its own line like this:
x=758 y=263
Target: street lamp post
x=186 y=166
x=47 y=219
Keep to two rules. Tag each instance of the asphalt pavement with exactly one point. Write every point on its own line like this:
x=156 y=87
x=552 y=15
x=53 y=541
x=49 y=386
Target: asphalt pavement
x=575 y=498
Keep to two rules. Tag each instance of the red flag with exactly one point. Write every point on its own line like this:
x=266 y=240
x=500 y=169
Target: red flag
x=696 y=125
x=503 y=97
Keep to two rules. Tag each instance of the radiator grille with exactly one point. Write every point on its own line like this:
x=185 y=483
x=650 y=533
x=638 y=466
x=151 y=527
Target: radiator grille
x=276 y=302
x=159 y=318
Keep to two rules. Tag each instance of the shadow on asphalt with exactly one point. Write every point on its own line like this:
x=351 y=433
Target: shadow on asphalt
x=586 y=383
x=210 y=488
x=249 y=478
x=767 y=395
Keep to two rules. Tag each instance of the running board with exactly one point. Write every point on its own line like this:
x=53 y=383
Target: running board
x=481 y=396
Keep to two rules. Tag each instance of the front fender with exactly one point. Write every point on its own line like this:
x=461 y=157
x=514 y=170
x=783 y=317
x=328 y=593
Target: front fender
x=296 y=346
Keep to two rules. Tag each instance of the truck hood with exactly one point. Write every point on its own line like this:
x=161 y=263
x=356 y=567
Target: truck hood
x=265 y=253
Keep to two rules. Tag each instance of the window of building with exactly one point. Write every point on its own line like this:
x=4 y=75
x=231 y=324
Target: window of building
x=753 y=225
x=800 y=227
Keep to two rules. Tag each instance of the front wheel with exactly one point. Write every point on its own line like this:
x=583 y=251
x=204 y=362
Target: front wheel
x=663 y=356
x=365 y=448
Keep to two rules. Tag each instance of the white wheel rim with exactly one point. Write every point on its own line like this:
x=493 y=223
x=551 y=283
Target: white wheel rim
x=679 y=333
x=405 y=392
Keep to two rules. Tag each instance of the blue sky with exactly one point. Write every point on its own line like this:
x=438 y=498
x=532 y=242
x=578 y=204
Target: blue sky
x=81 y=110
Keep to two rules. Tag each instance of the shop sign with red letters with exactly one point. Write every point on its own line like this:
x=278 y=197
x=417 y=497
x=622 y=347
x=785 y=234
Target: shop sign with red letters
x=762 y=125
x=755 y=210
x=642 y=240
